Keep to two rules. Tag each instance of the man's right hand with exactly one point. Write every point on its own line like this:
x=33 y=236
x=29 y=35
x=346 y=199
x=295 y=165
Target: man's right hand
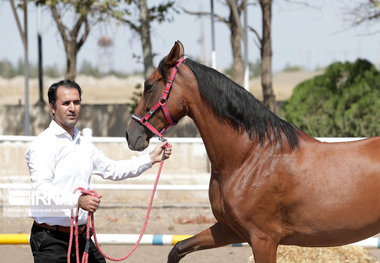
x=89 y=203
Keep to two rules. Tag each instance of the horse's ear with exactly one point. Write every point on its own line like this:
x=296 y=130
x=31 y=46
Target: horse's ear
x=176 y=52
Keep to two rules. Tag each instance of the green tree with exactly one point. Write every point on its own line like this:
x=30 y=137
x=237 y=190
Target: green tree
x=6 y=69
x=88 y=69
x=255 y=68
x=344 y=101
x=33 y=69
x=292 y=68
x=52 y=71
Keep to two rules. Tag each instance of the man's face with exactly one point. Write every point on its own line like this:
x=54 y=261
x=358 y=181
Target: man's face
x=68 y=107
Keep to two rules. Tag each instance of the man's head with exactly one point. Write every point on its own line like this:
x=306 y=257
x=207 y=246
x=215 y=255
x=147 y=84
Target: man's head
x=65 y=102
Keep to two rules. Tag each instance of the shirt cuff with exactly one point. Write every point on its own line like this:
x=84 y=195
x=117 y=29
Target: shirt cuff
x=146 y=161
x=74 y=198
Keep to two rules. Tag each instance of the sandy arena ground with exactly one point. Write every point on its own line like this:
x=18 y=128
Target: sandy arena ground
x=130 y=220
x=170 y=220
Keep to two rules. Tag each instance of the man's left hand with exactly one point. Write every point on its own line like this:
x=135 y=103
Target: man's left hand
x=156 y=154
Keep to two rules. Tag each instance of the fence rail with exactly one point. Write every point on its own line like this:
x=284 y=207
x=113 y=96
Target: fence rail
x=16 y=138
x=149 y=239
x=179 y=140
x=141 y=187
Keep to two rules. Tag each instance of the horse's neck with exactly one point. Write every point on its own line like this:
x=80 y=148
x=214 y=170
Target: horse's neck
x=222 y=142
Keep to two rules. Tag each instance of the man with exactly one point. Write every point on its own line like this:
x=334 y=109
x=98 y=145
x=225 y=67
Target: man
x=60 y=160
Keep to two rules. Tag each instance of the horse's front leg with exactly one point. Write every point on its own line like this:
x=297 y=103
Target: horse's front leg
x=216 y=236
x=264 y=249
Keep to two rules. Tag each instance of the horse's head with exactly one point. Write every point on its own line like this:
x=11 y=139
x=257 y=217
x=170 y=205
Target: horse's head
x=161 y=104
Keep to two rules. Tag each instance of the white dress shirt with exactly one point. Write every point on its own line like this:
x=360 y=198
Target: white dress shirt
x=59 y=164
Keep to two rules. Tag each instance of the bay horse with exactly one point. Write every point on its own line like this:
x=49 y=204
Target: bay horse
x=271 y=183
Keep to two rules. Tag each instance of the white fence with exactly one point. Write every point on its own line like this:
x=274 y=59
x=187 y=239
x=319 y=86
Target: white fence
x=13 y=138
x=139 y=187
x=189 y=160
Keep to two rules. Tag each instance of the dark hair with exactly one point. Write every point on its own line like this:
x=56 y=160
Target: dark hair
x=240 y=108
x=52 y=92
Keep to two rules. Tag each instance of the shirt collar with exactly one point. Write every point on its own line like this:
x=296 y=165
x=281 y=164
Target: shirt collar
x=58 y=130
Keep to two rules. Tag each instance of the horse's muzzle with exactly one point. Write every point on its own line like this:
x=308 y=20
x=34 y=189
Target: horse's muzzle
x=136 y=142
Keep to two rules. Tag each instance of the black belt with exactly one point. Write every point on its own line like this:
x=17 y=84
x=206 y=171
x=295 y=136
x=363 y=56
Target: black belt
x=64 y=229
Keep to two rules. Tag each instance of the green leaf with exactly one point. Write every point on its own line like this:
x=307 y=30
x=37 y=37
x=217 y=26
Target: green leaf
x=344 y=101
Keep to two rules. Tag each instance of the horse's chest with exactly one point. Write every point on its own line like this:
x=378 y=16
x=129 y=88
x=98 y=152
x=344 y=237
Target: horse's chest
x=216 y=199
x=220 y=200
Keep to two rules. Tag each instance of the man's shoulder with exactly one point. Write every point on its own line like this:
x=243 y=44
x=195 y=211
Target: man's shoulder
x=44 y=139
x=41 y=146
x=47 y=134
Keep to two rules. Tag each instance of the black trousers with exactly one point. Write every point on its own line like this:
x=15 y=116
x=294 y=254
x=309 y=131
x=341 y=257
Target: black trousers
x=51 y=246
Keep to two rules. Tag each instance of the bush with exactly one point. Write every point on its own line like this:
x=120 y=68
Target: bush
x=88 y=69
x=53 y=72
x=343 y=102
x=6 y=69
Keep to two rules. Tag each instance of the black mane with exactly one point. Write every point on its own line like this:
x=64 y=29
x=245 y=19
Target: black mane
x=240 y=108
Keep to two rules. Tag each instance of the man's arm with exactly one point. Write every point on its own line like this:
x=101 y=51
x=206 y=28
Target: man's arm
x=133 y=167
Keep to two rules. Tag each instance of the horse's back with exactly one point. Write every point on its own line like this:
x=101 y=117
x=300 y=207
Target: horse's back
x=365 y=152
x=333 y=164
x=370 y=147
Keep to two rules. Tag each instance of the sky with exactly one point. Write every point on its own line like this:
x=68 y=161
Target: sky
x=301 y=36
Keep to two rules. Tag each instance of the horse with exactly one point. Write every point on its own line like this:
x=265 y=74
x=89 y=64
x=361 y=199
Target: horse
x=271 y=183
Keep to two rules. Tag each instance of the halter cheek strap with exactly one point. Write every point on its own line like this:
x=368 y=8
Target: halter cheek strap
x=160 y=104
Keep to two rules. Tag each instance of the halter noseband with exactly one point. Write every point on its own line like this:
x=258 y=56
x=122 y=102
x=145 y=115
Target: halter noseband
x=161 y=103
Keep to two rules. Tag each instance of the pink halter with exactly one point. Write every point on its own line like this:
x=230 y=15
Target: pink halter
x=161 y=103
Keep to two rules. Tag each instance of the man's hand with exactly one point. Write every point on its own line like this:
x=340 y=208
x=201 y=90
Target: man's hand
x=89 y=203
x=156 y=154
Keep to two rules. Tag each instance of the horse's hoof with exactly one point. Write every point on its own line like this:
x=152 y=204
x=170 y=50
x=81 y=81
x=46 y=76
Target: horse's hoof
x=173 y=256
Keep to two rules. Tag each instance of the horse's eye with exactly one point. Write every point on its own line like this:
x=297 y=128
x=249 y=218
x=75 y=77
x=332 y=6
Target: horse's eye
x=147 y=86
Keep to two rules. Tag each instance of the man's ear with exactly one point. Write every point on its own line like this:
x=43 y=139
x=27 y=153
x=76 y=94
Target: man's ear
x=52 y=108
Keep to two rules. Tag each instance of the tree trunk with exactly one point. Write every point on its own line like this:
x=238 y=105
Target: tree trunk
x=238 y=65
x=266 y=56
x=71 y=58
x=145 y=38
x=72 y=40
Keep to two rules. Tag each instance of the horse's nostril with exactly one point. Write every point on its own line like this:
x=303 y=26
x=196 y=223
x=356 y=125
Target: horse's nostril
x=126 y=136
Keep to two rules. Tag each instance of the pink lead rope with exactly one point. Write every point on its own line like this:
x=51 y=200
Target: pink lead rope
x=90 y=221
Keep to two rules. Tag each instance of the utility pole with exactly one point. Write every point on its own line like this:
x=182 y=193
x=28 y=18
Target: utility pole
x=39 y=46
x=24 y=37
x=213 y=53
x=246 y=69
